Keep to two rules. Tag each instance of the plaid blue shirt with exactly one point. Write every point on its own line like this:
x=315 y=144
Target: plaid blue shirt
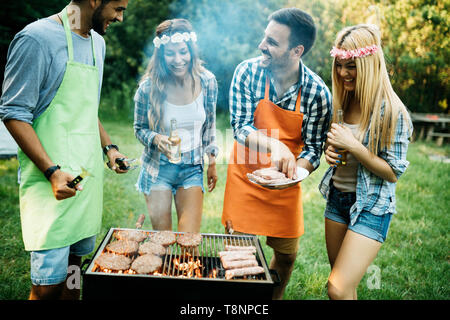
x=150 y=157
x=374 y=194
x=248 y=87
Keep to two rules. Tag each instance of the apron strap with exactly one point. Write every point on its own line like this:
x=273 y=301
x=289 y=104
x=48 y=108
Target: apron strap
x=266 y=92
x=65 y=20
x=299 y=95
x=299 y=99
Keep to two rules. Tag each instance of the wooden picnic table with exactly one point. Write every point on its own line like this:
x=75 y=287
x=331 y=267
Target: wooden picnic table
x=431 y=125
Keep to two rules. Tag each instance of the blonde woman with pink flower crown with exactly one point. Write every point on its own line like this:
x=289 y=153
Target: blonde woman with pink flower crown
x=366 y=149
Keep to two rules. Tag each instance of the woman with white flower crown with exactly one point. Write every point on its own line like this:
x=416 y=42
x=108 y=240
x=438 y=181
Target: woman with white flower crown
x=177 y=87
x=366 y=150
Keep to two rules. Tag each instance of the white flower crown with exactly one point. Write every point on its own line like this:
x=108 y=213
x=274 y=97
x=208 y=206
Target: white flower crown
x=175 y=38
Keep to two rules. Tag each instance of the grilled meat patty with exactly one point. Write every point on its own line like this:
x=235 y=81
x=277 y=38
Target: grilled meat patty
x=150 y=247
x=134 y=235
x=112 y=261
x=165 y=238
x=189 y=239
x=126 y=247
x=147 y=263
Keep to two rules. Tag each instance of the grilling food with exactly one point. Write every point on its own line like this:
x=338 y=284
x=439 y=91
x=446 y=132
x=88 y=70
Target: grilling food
x=268 y=176
x=113 y=261
x=237 y=264
x=126 y=247
x=251 y=249
x=236 y=255
x=134 y=235
x=229 y=274
x=189 y=239
x=147 y=263
x=150 y=247
x=165 y=238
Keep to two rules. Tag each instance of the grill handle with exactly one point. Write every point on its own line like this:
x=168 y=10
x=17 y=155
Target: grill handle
x=84 y=265
x=275 y=277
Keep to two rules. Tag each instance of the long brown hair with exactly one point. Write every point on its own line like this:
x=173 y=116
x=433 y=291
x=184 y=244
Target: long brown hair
x=372 y=88
x=158 y=72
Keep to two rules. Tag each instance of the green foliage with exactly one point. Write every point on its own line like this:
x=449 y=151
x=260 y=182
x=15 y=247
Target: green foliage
x=415 y=36
x=415 y=40
x=15 y=15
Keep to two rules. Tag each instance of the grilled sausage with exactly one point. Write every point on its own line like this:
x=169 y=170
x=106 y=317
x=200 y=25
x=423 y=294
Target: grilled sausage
x=236 y=255
x=251 y=249
x=229 y=274
x=237 y=264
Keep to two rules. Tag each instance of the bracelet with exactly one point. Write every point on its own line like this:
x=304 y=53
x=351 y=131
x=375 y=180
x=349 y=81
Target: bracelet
x=48 y=173
x=109 y=147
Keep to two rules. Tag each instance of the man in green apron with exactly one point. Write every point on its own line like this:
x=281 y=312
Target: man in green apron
x=50 y=104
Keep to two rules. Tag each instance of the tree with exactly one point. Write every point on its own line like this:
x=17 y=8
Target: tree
x=415 y=39
x=15 y=15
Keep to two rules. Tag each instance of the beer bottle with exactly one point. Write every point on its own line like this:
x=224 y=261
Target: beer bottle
x=175 y=154
x=342 y=152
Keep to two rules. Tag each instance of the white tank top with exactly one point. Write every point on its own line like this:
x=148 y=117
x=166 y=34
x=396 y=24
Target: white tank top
x=190 y=119
x=344 y=178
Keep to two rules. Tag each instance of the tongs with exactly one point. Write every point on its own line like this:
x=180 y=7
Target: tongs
x=84 y=173
x=123 y=166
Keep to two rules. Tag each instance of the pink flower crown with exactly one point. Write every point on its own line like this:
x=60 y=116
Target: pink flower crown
x=356 y=53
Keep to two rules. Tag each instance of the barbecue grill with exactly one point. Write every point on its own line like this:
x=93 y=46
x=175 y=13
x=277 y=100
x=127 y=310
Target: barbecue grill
x=186 y=274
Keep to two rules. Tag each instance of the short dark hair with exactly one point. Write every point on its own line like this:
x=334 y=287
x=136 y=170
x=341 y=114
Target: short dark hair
x=301 y=24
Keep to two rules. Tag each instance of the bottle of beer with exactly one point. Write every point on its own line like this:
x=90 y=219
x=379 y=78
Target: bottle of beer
x=342 y=152
x=175 y=154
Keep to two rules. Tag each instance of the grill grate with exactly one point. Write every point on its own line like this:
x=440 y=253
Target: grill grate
x=202 y=262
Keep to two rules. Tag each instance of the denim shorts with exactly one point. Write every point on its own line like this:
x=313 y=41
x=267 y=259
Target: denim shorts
x=49 y=267
x=367 y=224
x=171 y=177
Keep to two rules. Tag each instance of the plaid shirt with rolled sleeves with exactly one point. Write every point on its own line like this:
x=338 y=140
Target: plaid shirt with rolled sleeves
x=150 y=157
x=374 y=194
x=247 y=89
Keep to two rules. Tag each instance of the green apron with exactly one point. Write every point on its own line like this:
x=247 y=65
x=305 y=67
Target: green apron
x=69 y=132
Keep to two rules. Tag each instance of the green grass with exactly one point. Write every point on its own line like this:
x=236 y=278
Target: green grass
x=414 y=261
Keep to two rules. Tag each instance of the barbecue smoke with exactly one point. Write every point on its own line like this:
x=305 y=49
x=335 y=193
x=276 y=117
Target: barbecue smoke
x=228 y=32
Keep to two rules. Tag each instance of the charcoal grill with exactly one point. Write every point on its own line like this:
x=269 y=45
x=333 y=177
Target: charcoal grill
x=207 y=283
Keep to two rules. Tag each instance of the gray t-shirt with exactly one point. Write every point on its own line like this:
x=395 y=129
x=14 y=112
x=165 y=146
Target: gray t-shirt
x=36 y=64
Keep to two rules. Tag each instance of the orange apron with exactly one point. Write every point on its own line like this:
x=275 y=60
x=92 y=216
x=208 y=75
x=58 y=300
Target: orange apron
x=254 y=209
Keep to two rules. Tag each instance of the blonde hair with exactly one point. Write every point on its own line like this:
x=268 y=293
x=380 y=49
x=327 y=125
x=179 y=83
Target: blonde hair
x=159 y=74
x=372 y=88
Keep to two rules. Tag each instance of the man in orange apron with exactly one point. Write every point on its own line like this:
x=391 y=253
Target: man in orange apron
x=280 y=113
x=59 y=134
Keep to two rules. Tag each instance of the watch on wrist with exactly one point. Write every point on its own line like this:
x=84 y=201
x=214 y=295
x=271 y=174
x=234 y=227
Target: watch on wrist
x=48 y=173
x=109 y=147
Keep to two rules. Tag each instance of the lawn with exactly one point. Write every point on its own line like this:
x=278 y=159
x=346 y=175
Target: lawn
x=412 y=264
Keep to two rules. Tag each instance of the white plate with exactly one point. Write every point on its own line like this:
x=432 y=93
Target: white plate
x=302 y=173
